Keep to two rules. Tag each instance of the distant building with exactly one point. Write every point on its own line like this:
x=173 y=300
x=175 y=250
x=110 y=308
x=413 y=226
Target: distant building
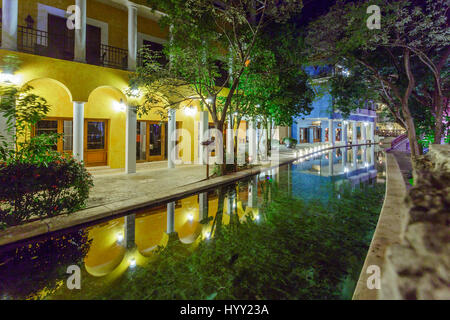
x=326 y=125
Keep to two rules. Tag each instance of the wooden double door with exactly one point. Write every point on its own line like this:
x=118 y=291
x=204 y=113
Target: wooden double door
x=150 y=141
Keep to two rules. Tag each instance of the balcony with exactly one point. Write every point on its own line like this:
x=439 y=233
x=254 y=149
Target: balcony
x=59 y=46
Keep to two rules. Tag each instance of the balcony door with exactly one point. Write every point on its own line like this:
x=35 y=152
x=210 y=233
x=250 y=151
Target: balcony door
x=61 y=40
x=93 y=41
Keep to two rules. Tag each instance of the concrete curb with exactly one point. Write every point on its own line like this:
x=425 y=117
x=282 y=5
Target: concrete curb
x=116 y=209
x=389 y=227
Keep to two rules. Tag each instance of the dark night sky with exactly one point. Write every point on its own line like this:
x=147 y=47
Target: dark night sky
x=313 y=9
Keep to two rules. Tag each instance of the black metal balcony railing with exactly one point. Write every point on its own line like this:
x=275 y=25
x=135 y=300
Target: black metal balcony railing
x=43 y=43
x=114 y=57
x=62 y=46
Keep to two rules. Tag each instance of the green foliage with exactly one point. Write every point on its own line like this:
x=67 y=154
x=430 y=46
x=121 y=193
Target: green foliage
x=30 y=191
x=297 y=250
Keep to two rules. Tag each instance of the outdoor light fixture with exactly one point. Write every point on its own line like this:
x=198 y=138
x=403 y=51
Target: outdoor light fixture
x=190 y=217
x=132 y=262
x=10 y=78
x=120 y=106
x=257 y=217
x=190 y=111
x=135 y=92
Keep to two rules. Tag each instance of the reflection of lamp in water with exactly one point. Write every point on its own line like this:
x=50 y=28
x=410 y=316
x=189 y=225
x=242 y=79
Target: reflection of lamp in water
x=257 y=217
x=119 y=237
x=207 y=235
x=132 y=262
x=190 y=217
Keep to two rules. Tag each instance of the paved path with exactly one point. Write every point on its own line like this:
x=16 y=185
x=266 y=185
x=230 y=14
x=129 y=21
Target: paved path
x=113 y=185
x=404 y=162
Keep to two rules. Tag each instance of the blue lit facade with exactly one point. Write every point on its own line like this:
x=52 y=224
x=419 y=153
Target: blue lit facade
x=316 y=127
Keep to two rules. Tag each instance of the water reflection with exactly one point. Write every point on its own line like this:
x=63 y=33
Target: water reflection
x=106 y=251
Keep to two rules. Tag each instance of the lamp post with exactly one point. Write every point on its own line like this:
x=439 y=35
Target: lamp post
x=205 y=145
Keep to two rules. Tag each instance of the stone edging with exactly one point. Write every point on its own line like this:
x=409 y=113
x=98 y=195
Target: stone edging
x=65 y=221
x=389 y=230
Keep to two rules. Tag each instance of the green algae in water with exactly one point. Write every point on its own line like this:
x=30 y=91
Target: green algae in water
x=297 y=250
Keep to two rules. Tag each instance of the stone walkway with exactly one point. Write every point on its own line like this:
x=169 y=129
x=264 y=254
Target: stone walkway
x=113 y=185
x=404 y=162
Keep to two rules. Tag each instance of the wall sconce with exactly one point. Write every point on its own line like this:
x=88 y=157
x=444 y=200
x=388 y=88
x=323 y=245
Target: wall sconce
x=10 y=78
x=120 y=106
x=136 y=93
x=190 y=111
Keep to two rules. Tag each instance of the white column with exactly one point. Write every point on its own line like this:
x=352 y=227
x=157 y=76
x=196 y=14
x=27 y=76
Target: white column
x=130 y=231
x=203 y=134
x=172 y=137
x=364 y=132
x=253 y=192
x=80 y=34
x=331 y=135
x=78 y=130
x=355 y=133
x=170 y=218
x=10 y=14
x=230 y=142
x=252 y=146
x=203 y=205
x=130 y=142
x=132 y=36
x=355 y=158
x=372 y=132
x=345 y=132
x=331 y=162
x=322 y=132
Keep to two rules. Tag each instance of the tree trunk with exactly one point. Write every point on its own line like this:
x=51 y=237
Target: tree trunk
x=439 y=107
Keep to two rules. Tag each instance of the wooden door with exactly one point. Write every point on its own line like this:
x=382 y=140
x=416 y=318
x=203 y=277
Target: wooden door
x=93 y=41
x=156 y=141
x=95 y=142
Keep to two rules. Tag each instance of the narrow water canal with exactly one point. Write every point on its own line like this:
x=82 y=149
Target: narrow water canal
x=299 y=231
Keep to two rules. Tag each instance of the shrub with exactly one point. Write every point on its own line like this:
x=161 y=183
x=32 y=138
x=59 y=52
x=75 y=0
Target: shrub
x=33 y=190
x=290 y=142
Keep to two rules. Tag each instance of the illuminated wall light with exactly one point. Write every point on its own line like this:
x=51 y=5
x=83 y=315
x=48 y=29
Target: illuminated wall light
x=120 y=106
x=190 y=111
x=135 y=92
x=190 y=217
x=10 y=78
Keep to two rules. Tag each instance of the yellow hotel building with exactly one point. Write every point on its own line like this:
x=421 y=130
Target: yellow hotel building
x=83 y=73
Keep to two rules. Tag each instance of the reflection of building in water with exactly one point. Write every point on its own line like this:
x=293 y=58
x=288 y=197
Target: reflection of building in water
x=123 y=242
x=355 y=165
